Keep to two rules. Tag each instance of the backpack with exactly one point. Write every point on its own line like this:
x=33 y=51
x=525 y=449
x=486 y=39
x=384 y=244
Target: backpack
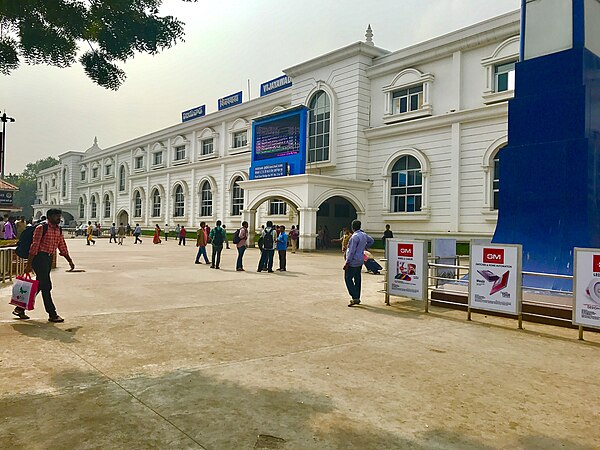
x=268 y=240
x=218 y=237
x=236 y=236
x=26 y=239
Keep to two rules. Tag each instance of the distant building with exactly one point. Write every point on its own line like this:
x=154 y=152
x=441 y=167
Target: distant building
x=407 y=138
x=7 y=198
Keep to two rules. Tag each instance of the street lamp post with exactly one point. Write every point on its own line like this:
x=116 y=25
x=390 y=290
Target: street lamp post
x=4 y=118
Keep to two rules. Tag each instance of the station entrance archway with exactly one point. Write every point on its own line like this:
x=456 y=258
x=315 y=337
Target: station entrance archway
x=123 y=217
x=333 y=215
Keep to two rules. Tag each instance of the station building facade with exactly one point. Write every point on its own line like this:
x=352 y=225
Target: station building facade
x=407 y=138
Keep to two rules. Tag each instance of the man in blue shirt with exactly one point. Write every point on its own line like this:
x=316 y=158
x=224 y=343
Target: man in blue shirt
x=282 y=241
x=357 y=245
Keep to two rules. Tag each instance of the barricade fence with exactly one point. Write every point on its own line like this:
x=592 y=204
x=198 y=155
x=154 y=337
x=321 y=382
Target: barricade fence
x=11 y=265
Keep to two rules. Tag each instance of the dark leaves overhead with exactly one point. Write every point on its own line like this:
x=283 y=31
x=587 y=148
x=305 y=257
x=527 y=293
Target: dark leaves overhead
x=50 y=32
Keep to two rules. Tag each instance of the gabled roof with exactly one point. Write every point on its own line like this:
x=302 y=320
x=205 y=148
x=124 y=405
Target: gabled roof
x=6 y=186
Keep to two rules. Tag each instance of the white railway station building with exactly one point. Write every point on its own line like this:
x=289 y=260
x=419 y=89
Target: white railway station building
x=407 y=138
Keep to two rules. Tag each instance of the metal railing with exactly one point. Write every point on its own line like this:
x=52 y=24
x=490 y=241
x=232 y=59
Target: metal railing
x=11 y=265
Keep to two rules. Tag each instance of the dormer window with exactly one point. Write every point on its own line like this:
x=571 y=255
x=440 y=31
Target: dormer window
x=408 y=96
x=500 y=71
x=504 y=77
x=406 y=100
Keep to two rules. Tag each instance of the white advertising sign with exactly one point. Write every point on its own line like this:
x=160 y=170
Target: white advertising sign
x=407 y=268
x=586 y=288
x=495 y=278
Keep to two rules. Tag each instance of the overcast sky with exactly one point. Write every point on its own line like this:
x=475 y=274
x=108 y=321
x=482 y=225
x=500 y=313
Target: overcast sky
x=226 y=43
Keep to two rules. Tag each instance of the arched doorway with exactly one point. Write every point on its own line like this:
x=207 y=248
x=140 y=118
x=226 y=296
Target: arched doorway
x=123 y=218
x=333 y=215
x=67 y=218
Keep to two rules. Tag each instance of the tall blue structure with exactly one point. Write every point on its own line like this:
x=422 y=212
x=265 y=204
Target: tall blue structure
x=549 y=198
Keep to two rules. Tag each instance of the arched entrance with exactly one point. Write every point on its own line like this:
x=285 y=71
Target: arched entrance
x=123 y=217
x=333 y=215
x=38 y=215
x=67 y=218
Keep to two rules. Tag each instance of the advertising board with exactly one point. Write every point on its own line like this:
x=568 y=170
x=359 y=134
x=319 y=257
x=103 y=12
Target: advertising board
x=230 y=100
x=6 y=198
x=279 y=83
x=586 y=288
x=407 y=268
x=495 y=278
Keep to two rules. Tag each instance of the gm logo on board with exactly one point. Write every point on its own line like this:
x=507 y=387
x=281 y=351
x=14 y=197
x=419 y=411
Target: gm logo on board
x=493 y=255
x=405 y=250
x=596 y=263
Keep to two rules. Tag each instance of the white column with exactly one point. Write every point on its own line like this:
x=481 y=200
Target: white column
x=250 y=217
x=193 y=196
x=308 y=228
x=454 y=192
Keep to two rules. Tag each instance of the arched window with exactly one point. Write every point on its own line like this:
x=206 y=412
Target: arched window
x=81 y=208
x=407 y=185
x=496 y=180
x=137 y=204
x=205 y=200
x=46 y=193
x=122 y=178
x=237 y=198
x=179 y=202
x=106 y=206
x=155 y=203
x=64 y=182
x=319 y=122
x=94 y=206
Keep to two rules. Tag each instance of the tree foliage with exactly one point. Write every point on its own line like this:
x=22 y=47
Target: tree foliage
x=111 y=31
x=27 y=184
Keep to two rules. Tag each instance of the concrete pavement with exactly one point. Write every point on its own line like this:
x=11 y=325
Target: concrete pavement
x=157 y=352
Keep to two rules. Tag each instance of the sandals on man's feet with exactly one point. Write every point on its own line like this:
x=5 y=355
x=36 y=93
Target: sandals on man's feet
x=56 y=319
x=20 y=314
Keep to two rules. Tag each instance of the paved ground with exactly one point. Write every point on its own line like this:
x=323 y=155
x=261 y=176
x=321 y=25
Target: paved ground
x=159 y=353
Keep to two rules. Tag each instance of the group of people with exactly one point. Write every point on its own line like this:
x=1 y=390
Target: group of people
x=10 y=228
x=180 y=233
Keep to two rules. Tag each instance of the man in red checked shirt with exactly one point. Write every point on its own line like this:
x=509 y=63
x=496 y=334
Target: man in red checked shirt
x=40 y=260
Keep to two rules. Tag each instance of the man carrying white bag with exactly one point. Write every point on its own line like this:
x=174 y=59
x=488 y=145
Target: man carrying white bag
x=47 y=237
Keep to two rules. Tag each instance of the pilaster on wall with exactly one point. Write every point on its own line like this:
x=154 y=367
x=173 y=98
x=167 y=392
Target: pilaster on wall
x=250 y=217
x=455 y=179
x=308 y=225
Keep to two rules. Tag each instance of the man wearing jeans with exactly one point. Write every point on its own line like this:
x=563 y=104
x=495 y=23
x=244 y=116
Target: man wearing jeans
x=46 y=239
x=357 y=245
x=241 y=246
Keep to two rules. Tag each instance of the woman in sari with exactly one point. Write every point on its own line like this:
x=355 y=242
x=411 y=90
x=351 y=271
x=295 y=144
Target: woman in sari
x=156 y=239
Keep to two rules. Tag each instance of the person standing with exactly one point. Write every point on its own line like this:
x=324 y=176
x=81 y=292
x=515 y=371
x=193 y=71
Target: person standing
x=357 y=245
x=217 y=237
x=387 y=234
x=113 y=234
x=2 y=223
x=282 y=242
x=46 y=239
x=293 y=236
x=241 y=244
x=156 y=238
x=121 y=233
x=136 y=232
x=90 y=234
x=266 y=259
x=345 y=240
x=21 y=225
x=182 y=234
x=9 y=229
x=177 y=230
x=166 y=232
x=128 y=229
x=201 y=240
x=226 y=238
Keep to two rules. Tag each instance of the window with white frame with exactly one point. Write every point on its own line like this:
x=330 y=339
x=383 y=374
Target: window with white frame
x=81 y=208
x=240 y=139
x=277 y=207
x=179 y=202
x=409 y=99
x=53 y=182
x=137 y=204
x=108 y=170
x=496 y=180
x=94 y=172
x=500 y=71
x=139 y=162
x=237 y=198
x=83 y=175
x=206 y=203
x=157 y=158
x=106 y=206
x=408 y=96
x=179 y=152
x=406 y=190
x=156 y=203
x=94 y=207
x=207 y=147
x=504 y=77
x=122 y=178
x=64 y=182
x=319 y=124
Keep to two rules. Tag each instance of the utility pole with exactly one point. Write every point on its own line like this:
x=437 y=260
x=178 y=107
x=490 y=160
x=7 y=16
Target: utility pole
x=4 y=118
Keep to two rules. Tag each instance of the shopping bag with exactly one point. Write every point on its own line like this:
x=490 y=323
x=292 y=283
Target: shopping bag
x=24 y=291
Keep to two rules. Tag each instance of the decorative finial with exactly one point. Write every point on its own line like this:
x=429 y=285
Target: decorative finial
x=96 y=140
x=369 y=36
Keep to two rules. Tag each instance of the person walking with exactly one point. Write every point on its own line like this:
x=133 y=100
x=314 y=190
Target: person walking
x=293 y=237
x=357 y=245
x=345 y=239
x=166 y=232
x=90 y=234
x=113 y=234
x=282 y=242
x=182 y=234
x=266 y=259
x=128 y=229
x=136 y=232
x=387 y=234
x=217 y=237
x=240 y=239
x=226 y=238
x=156 y=238
x=201 y=241
x=46 y=239
x=121 y=233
